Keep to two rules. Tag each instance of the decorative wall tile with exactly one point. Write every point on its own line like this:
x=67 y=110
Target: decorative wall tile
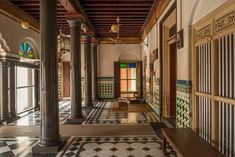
x=183 y=105
x=105 y=87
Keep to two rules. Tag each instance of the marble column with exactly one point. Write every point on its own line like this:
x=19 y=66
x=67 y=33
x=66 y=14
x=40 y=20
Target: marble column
x=75 y=87
x=12 y=96
x=3 y=92
x=88 y=70
x=50 y=141
x=36 y=89
x=94 y=54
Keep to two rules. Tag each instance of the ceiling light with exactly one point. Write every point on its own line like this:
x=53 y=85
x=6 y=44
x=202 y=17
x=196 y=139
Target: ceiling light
x=25 y=24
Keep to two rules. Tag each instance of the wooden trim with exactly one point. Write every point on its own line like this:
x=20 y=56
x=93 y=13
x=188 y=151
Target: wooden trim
x=151 y=21
x=208 y=30
x=131 y=40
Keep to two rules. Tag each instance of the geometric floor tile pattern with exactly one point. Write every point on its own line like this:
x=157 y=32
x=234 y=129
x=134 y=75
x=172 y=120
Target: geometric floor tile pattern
x=20 y=146
x=144 y=146
x=115 y=147
x=33 y=118
x=103 y=114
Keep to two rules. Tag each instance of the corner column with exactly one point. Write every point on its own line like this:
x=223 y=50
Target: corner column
x=88 y=70
x=3 y=92
x=50 y=141
x=76 y=90
x=94 y=54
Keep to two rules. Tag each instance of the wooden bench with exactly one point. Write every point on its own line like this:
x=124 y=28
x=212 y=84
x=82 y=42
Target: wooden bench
x=186 y=143
x=123 y=103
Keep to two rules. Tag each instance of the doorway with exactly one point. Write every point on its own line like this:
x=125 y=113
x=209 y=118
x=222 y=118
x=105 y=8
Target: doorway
x=66 y=79
x=173 y=75
x=168 y=66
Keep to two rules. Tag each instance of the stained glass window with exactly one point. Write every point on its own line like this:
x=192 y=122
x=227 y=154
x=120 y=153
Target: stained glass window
x=26 y=50
x=128 y=77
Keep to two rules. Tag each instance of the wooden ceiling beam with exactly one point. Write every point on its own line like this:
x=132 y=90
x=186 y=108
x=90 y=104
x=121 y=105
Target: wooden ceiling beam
x=116 y=5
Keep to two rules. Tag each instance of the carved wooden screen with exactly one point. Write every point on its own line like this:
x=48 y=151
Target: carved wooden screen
x=213 y=62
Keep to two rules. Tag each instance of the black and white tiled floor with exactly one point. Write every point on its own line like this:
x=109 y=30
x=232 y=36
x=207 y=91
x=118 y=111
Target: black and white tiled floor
x=144 y=146
x=19 y=146
x=33 y=118
x=130 y=146
x=115 y=147
x=103 y=114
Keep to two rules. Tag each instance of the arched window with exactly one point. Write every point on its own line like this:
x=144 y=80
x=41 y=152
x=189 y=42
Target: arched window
x=26 y=50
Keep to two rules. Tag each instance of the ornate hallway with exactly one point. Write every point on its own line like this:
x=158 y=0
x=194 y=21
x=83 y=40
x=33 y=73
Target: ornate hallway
x=117 y=78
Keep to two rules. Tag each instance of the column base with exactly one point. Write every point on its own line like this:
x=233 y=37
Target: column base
x=4 y=121
x=39 y=150
x=13 y=118
x=75 y=121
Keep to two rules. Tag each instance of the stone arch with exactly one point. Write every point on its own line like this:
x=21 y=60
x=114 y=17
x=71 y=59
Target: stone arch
x=128 y=57
x=3 y=44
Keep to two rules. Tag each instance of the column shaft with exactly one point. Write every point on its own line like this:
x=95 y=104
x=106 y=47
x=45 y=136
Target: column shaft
x=49 y=96
x=3 y=91
x=94 y=53
x=12 y=100
x=76 y=91
x=36 y=89
x=88 y=71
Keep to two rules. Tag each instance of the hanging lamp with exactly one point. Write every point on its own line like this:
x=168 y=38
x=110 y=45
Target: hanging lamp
x=25 y=24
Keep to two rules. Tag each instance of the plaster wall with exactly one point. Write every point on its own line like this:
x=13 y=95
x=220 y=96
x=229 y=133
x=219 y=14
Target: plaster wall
x=14 y=35
x=109 y=53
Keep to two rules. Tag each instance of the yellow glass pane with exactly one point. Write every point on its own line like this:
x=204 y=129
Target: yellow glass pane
x=131 y=73
x=123 y=85
x=123 y=73
x=131 y=85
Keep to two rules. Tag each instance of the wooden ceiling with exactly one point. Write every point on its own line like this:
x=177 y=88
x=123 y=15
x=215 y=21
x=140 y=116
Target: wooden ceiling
x=102 y=14
x=32 y=7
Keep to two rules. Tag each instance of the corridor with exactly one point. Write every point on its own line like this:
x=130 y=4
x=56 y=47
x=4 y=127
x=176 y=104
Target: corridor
x=117 y=78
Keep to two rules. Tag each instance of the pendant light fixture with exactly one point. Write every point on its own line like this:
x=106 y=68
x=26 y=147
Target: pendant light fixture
x=25 y=24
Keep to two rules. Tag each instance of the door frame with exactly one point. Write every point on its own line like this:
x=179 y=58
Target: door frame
x=164 y=26
x=62 y=82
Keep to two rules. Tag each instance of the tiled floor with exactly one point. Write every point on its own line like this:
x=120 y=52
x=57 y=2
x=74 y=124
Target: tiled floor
x=33 y=118
x=104 y=113
x=20 y=146
x=113 y=146
x=144 y=146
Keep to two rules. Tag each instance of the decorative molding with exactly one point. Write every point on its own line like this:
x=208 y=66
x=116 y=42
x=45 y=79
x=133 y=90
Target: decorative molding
x=225 y=22
x=204 y=32
x=129 y=40
x=3 y=45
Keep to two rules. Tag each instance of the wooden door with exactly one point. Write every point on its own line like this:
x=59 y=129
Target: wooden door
x=117 y=89
x=173 y=72
x=66 y=79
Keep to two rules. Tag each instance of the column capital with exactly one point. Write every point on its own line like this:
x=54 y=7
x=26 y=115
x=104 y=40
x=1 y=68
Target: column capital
x=73 y=23
x=71 y=16
x=94 y=43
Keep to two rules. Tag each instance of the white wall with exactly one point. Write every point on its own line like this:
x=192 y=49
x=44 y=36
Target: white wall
x=108 y=53
x=205 y=7
x=14 y=35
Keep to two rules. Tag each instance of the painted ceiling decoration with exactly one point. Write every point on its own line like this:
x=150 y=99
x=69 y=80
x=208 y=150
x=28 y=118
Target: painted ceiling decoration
x=100 y=14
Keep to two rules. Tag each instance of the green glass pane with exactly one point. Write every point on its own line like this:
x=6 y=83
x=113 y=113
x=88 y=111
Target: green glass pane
x=123 y=65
